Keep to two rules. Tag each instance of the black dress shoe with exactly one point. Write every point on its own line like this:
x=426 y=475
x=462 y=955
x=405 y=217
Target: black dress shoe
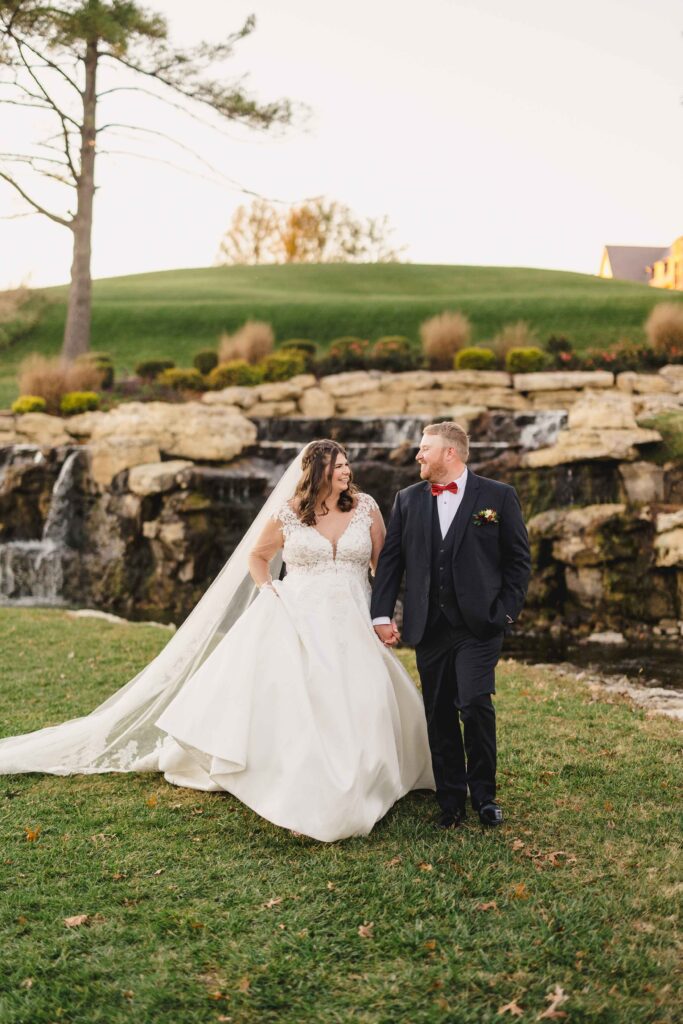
x=450 y=819
x=490 y=814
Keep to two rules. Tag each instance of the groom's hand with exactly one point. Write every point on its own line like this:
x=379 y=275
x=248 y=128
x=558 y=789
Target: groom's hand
x=388 y=633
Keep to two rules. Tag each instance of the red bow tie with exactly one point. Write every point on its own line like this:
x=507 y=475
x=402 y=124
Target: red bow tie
x=440 y=488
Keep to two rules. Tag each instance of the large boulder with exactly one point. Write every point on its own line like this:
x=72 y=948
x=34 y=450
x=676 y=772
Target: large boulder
x=560 y=399
x=674 y=375
x=156 y=477
x=109 y=456
x=316 y=404
x=280 y=391
x=610 y=410
x=643 y=383
x=355 y=382
x=373 y=403
x=643 y=482
x=41 y=428
x=236 y=395
x=473 y=379
x=583 y=445
x=193 y=430
x=669 y=548
x=265 y=410
x=561 y=379
x=411 y=380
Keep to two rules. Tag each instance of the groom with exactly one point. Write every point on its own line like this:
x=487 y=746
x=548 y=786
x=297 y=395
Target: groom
x=461 y=541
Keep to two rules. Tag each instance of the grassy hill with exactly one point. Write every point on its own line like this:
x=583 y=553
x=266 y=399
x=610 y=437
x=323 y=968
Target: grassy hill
x=174 y=313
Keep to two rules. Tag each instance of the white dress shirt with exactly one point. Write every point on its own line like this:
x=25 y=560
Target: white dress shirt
x=447 y=504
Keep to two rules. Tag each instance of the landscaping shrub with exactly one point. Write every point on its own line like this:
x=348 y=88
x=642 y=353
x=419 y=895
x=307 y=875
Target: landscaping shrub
x=442 y=336
x=283 y=365
x=28 y=403
x=51 y=378
x=182 y=379
x=626 y=356
x=557 y=343
x=475 y=359
x=79 y=401
x=149 y=369
x=252 y=342
x=205 y=361
x=395 y=354
x=664 y=330
x=308 y=348
x=347 y=353
x=103 y=362
x=236 y=372
x=525 y=360
x=511 y=336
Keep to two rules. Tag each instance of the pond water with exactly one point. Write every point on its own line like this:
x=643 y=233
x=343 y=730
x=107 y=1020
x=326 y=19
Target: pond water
x=646 y=666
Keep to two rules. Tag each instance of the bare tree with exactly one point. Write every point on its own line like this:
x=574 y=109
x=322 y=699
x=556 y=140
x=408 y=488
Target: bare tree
x=249 y=238
x=50 y=57
x=317 y=231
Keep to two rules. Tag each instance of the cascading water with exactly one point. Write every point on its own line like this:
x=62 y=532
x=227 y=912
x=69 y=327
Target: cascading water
x=32 y=571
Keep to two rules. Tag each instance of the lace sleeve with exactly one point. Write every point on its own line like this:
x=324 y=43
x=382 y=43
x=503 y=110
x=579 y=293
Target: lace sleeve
x=286 y=518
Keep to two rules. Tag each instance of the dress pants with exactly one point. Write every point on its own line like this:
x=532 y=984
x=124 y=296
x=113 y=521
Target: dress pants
x=457 y=672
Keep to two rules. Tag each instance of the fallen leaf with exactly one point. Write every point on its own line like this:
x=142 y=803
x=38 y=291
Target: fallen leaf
x=196 y=924
x=492 y=905
x=216 y=995
x=243 y=984
x=512 y=1008
x=128 y=993
x=423 y=866
x=518 y=844
x=26 y=983
x=554 y=858
x=441 y=1002
x=608 y=805
x=159 y=871
x=152 y=801
x=119 y=876
x=555 y=998
x=32 y=833
x=366 y=930
x=22 y=920
x=331 y=886
x=269 y=904
x=221 y=1017
x=393 y=862
x=430 y=944
x=520 y=892
x=77 y=920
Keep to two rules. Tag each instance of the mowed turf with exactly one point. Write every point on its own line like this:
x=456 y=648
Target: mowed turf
x=199 y=911
x=173 y=314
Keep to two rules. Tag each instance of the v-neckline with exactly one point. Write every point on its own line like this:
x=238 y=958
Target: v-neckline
x=335 y=544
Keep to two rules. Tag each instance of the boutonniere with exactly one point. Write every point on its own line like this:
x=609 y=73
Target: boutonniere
x=485 y=516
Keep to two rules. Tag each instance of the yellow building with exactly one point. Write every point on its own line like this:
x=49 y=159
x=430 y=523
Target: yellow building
x=655 y=265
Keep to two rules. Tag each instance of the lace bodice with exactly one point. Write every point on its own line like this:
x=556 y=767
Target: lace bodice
x=307 y=552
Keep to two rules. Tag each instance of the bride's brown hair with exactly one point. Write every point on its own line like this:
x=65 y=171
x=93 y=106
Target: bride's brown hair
x=318 y=466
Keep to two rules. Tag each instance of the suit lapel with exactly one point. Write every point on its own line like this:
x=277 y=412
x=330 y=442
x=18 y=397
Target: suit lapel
x=426 y=513
x=464 y=513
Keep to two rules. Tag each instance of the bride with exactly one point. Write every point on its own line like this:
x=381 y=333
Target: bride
x=277 y=691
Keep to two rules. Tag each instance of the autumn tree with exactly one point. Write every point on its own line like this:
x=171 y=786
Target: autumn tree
x=52 y=56
x=317 y=231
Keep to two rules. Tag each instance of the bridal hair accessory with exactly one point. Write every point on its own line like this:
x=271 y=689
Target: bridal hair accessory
x=440 y=488
x=485 y=517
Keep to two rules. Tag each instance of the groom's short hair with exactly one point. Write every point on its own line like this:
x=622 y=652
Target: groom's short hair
x=455 y=436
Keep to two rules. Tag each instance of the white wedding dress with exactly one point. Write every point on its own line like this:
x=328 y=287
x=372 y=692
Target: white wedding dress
x=300 y=711
x=290 y=702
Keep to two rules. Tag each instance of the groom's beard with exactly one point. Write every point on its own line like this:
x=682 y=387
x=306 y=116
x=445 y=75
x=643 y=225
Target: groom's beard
x=432 y=472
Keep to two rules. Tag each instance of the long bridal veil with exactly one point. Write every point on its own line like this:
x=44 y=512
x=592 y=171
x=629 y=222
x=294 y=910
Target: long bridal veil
x=120 y=734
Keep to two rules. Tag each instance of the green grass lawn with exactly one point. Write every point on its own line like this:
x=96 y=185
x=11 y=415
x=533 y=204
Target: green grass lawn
x=199 y=911
x=172 y=314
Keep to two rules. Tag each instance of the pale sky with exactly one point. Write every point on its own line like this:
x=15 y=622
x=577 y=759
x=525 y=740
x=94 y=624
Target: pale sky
x=504 y=132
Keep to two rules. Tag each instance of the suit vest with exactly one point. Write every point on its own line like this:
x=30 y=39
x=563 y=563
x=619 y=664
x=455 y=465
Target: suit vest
x=441 y=591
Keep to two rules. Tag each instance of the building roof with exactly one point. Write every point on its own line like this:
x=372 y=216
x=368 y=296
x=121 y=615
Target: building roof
x=629 y=262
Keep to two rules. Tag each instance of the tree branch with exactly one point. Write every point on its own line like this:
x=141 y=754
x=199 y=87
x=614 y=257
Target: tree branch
x=36 y=206
x=19 y=41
